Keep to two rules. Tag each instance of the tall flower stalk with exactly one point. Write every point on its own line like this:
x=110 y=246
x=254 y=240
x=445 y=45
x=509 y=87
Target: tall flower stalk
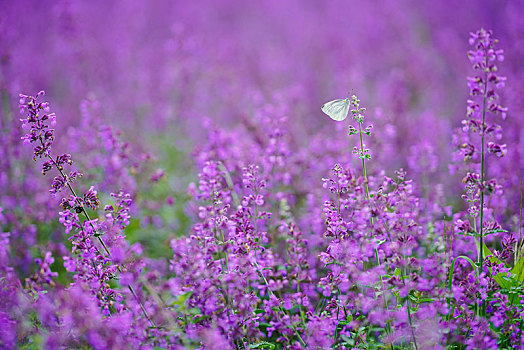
x=483 y=100
x=363 y=153
x=476 y=128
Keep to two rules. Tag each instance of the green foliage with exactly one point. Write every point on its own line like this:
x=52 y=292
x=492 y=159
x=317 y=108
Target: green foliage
x=518 y=270
x=262 y=345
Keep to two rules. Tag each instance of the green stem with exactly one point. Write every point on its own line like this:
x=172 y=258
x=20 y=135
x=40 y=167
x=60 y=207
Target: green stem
x=223 y=251
x=363 y=162
x=370 y=217
x=366 y=182
x=519 y=243
x=408 y=309
x=338 y=195
x=482 y=176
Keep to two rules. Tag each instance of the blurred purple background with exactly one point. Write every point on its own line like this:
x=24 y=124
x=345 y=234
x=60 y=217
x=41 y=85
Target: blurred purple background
x=167 y=70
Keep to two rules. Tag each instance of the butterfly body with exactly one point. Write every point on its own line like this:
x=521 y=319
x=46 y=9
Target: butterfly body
x=337 y=109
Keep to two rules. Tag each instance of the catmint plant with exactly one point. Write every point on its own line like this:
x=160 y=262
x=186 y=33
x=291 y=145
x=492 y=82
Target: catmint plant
x=483 y=101
x=93 y=266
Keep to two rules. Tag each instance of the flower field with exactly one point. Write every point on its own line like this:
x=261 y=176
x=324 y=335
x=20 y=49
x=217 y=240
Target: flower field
x=261 y=175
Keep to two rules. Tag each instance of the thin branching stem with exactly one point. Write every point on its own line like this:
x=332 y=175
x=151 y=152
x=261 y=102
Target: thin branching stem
x=97 y=235
x=364 y=172
x=408 y=310
x=482 y=177
x=482 y=174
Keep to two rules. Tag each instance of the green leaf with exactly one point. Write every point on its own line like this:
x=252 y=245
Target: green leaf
x=452 y=268
x=490 y=232
x=197 y=319
x=195 y=311
x=475 y=234
x=347 y=340
x=425 y=300
x=488 y=252
x=181 y=299
x=518 y=270
x=413 y=298
x=261 y=345
x=502 y=280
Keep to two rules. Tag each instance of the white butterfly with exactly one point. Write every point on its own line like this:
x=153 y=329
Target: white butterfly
x=337 y=109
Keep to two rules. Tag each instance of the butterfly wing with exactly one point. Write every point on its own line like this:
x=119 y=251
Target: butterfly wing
x=337 y=109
